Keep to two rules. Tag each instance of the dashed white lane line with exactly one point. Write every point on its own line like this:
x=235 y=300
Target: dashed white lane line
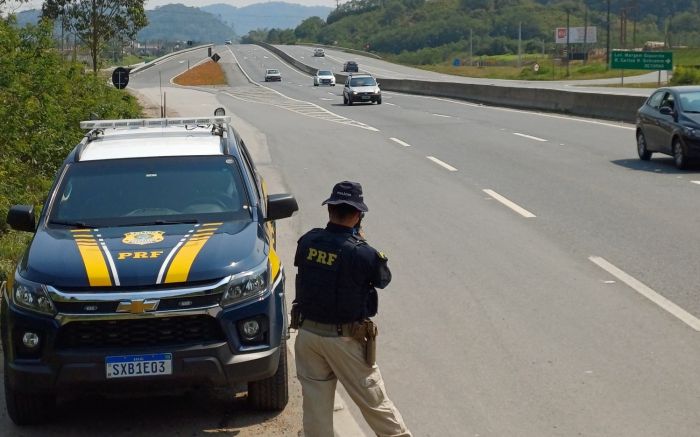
x=398 y=141
x=390 y=104
x=647 y=292
x=442 y=115
x=696 y=182
x=326 y=99
x=512 y=205
x=530 y=137
x=441 y=163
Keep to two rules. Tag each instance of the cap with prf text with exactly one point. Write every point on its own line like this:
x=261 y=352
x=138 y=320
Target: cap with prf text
x=347 y=192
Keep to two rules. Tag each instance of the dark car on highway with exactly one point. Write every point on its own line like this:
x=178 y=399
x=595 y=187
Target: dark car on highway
x=669 y=123
x=351 y=66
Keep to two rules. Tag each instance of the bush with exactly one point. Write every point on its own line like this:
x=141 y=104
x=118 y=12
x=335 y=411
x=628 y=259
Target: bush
x=686 y=75
x=42 y=100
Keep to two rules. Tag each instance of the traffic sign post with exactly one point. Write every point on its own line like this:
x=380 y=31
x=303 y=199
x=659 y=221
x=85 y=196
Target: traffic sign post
x=120 y=77
x=629 y=60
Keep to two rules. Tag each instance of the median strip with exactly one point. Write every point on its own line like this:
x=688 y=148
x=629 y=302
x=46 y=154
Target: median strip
x=647 y=292
x=512 y=205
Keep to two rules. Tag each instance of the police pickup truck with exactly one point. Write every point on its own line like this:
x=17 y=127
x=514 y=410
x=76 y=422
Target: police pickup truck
x=153 y=265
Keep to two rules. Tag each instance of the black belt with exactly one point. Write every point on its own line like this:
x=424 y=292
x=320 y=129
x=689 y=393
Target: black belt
x=328 y=329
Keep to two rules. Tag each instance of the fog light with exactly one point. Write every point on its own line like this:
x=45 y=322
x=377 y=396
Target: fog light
x=30 y=339
x=251 y=328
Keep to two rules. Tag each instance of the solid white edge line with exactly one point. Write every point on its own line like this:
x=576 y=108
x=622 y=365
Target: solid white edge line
x=530 y=137
x=441 y=163
x=647 y=292
x=512 y=205
x=398 y=141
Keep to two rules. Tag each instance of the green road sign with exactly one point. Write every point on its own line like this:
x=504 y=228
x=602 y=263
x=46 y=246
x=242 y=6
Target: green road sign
x=629 y=60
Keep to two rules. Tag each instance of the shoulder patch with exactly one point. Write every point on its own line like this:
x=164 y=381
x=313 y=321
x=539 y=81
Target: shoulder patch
x=382 y=256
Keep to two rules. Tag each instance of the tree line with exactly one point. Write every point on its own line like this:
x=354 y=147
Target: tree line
x=427 y=32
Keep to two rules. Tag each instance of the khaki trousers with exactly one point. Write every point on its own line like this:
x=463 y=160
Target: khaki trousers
x=321 y=362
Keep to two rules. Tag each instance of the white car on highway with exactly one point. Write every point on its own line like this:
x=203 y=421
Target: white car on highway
x=324 y=77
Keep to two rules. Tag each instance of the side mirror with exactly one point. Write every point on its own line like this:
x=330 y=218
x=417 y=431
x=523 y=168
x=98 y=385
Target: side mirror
x=21 y=218
x=280 y=206
x=666 y=110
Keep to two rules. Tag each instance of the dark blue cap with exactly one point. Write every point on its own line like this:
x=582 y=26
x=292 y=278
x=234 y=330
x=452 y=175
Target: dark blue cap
x=347 y=192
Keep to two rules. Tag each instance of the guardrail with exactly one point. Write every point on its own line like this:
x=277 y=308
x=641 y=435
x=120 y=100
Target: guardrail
x=596 y=105
x=169 y=55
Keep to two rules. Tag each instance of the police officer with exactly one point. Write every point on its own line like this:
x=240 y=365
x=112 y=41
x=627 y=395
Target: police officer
x=335 y=294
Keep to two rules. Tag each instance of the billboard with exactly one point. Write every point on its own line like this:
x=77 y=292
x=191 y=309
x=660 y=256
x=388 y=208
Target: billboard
x=576 y=35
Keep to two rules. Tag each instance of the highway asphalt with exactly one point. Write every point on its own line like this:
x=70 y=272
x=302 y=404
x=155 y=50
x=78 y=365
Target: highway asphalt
x=334 y=60
x=544 y=278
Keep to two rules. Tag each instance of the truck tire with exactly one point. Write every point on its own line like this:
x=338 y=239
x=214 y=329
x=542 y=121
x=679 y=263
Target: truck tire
x=27 y=409
x=271 y=394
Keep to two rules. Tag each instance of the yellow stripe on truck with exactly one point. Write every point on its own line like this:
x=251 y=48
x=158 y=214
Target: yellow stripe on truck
x=275 y=264
x=180 y=267
x=93 y=259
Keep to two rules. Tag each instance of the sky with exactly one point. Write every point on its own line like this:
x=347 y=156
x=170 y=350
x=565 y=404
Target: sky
x=152 y=4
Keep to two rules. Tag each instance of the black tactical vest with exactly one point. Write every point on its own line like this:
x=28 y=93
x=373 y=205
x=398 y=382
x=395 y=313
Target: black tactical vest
x=327 y=289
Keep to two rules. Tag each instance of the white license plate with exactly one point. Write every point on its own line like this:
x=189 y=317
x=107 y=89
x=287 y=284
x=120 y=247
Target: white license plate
x=365 y=97
x=139 y=365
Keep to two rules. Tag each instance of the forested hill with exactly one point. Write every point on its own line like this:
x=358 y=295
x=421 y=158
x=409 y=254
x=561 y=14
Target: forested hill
x=428 y=27
x=181 y=23
x=265 y=15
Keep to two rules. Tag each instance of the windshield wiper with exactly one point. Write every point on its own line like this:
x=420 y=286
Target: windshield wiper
x=692 y=112
x=163 y=222
x=82 y=225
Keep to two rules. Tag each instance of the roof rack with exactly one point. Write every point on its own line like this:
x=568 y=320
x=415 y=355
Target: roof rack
x=154 y=122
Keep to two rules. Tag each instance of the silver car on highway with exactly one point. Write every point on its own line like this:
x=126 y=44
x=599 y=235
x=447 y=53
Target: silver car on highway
x=324 y=77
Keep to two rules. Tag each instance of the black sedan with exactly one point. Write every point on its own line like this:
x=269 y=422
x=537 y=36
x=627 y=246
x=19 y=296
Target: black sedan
x=669 y=122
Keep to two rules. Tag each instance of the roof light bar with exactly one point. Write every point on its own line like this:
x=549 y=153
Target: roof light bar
x=153 y=122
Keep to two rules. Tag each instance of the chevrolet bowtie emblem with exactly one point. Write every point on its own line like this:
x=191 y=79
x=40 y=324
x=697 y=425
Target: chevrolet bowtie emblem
x=138 y=306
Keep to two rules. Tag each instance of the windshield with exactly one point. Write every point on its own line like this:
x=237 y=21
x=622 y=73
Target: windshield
x=362 y=81
x=325 y=73
x=273 y=72
x=150 y=191
x=690 y=102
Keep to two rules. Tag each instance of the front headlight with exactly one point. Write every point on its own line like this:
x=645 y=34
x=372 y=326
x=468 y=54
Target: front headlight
x=354 y=93
x=247 y=285
x=32 y=296
x=691 y=132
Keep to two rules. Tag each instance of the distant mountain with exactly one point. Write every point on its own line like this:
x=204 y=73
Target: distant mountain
x=181 y=23
x=28 y=17
x=270 y=15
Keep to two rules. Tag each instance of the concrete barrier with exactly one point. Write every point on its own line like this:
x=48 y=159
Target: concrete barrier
x=585 y=104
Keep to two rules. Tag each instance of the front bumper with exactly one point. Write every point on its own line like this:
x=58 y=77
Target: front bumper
x=365 y=97
x=79 y=364
x=692 y=145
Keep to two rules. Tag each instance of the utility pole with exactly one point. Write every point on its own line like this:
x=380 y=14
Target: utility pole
x=471 y=48
x=568 y=47
x=607 y=41
x=520 y=38
x=585 y=36
x=634 y=24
